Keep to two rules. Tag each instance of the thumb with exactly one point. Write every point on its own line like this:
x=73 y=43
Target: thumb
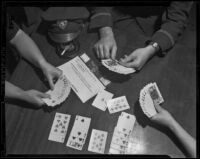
x=127 y=59
x=42 y=95
x=158 y=107
x=113 y=53
x=50 y=80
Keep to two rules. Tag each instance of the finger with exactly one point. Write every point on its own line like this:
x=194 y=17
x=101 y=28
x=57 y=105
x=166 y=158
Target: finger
x=60 y=72
x=106 y=52
x=129 y=64
x=113 y=52
x=127 y=59
x=97 y=51
x=101 y=51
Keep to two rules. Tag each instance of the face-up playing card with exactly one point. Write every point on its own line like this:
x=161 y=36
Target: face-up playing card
x=126 y=122
x=118 y=147
x=148 y=96
x=113 y=65
x=79 y=132
x=155 y=94
x=115 y=151
x=119 y=141
x=122 y=134
x=59 y=127
x=101 y=100
x=117 y=104
x=97 y=141
x=60 y=93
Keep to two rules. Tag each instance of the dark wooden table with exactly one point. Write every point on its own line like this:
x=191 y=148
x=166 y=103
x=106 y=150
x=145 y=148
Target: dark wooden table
x=27 y=130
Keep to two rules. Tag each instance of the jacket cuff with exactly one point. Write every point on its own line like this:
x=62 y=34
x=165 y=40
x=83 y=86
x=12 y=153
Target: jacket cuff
x=99 y=20
x=164 y=39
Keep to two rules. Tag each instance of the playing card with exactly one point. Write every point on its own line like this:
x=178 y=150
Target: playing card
x=79 y=132
x=118 y=147
x=117 y=104
x=101 y=100
x=97 y=141
x=121 y=134
x=119 y=141
x=155 y=94
x=113 y=65
x=115 y=151
x=59 y=127
x=60 y=93
x=148 y=96
x=126 y=122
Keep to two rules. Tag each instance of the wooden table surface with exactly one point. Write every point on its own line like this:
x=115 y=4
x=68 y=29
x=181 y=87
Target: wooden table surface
x=27 y=130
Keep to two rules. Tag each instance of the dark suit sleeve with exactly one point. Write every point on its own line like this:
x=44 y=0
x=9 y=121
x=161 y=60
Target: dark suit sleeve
x=100 y=17
x=174 y=21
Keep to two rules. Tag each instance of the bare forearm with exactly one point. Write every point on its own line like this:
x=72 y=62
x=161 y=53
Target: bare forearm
x=187 y=140
x=27 y=48
x=12 y=91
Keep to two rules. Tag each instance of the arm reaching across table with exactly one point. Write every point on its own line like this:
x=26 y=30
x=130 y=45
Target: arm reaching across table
x=163 y=117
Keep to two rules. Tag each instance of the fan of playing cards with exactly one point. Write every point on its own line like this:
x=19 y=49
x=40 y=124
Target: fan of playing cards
x=113 y=65
x=149 y=96
x=60 y=93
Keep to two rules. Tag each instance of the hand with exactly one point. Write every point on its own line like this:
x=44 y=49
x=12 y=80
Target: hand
x=52 y=73
x=34 y=97
x=162 y=117
x=106 y=47
x=138 y=58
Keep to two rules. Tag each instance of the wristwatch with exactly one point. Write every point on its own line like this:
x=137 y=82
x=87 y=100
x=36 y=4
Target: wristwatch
x=155 y=45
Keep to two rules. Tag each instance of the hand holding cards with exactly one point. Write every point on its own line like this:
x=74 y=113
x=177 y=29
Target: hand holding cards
x=149 y=95
x=113 y=65
x=60 y=93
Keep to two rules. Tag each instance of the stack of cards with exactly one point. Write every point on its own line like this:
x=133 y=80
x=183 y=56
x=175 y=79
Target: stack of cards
x=97 y=141
x=60 y=93
x=149 y=96
x=101 y=99
x=59 y=127
x=117 y=104
x=121 y=134
x=113 y=65
x=79 y=132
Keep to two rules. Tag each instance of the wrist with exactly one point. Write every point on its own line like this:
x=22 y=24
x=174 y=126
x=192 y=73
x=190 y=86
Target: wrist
x=151 y=50
x=42 y=64
x=21 y=94
x=106 y=31
x=172 y=124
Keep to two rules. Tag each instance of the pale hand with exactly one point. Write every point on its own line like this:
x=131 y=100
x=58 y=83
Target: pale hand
x=106 y=47
x=162 y=117
x=138 y=58
x=34 y=97
x=51 y=73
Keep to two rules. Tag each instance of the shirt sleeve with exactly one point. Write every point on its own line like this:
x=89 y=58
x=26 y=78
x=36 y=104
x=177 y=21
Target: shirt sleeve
x=174 y=21
x=11 y=28
x=100 y=17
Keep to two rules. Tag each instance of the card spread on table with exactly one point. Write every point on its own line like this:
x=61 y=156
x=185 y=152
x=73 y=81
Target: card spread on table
x=79 y=132
x=101 y=99
x=126 y=122
x=82 y=80
x=121 y=134
x=113 y=65
x=149 y=96
x=59 y=127
x=97 y=141
x=117 y=104
x=59 y=93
